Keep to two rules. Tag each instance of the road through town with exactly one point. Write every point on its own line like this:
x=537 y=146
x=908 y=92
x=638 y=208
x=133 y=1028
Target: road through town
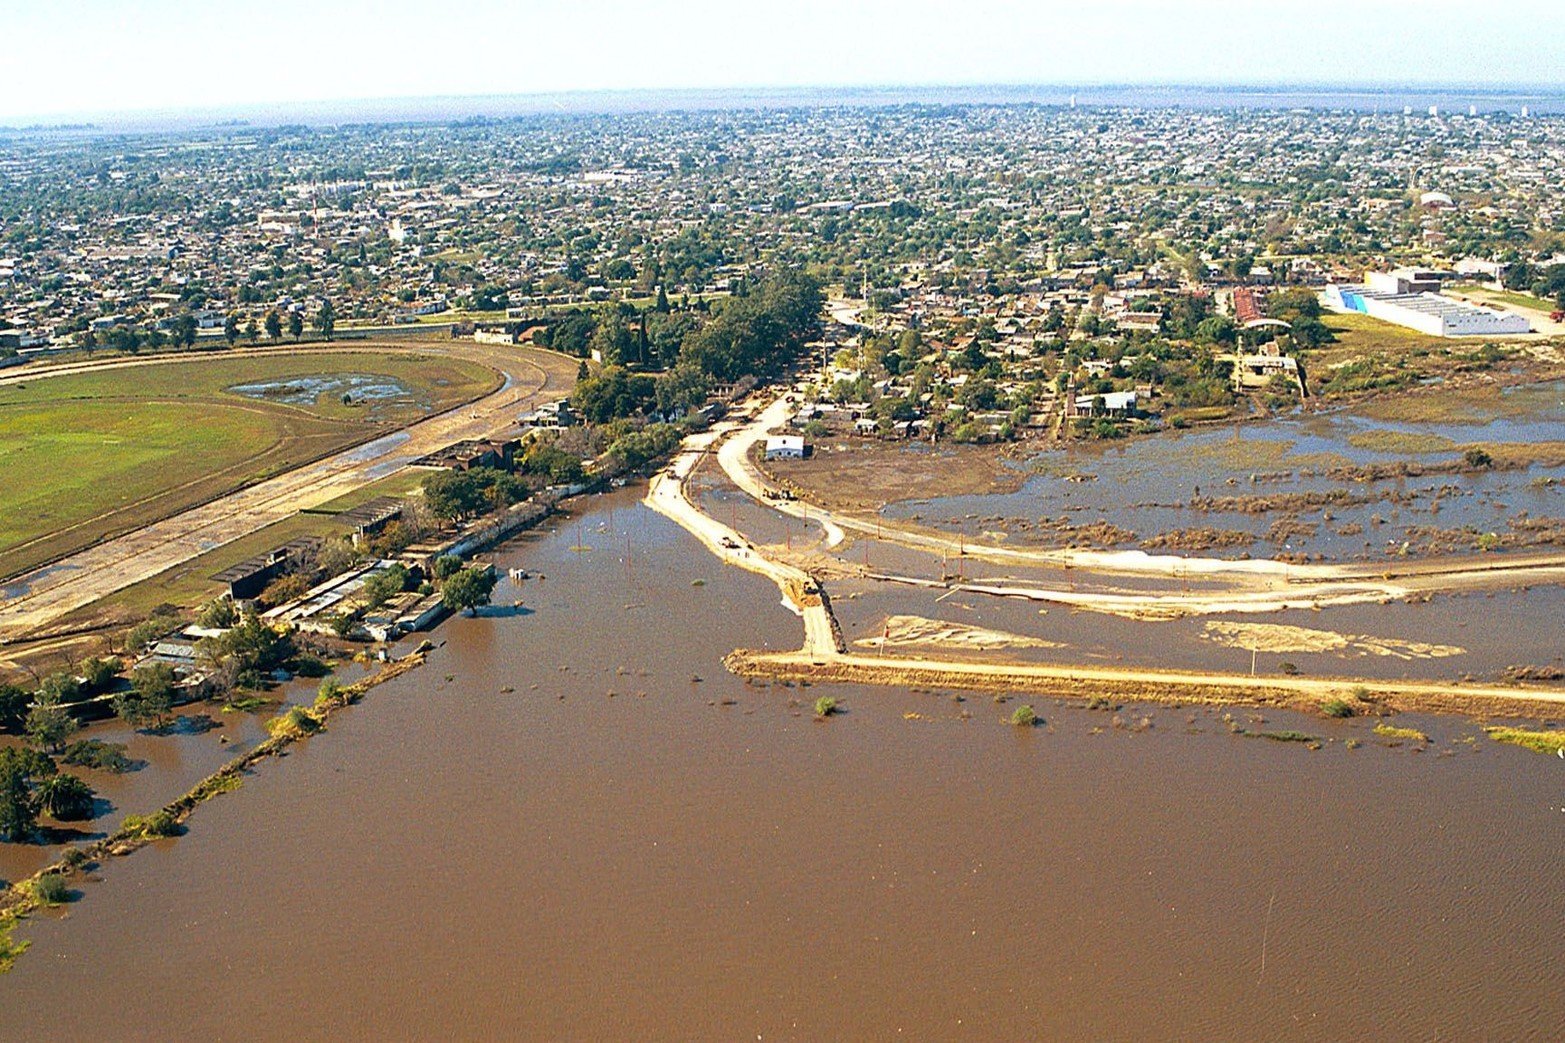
x=31 y=602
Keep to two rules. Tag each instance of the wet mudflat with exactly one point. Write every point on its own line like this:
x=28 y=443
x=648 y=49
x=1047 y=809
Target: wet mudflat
x=495 y=846
x=1324 y=486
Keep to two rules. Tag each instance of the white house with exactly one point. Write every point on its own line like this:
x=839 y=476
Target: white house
x=785 y=447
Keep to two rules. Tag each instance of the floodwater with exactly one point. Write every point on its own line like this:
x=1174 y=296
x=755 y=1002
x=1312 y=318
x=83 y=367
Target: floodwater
x=371 y=388
x=1148 y=485
x=555 y=830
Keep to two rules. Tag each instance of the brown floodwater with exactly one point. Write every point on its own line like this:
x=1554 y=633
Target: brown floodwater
x=496 y=847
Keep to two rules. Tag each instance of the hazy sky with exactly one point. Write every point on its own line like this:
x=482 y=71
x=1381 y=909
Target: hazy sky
x=98 y=56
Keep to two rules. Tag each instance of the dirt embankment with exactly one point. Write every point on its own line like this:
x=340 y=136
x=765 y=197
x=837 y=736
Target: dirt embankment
x=1137 y=685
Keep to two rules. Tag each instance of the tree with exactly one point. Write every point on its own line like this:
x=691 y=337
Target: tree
x=185 y=330
x=49 y=724
x=14 y=704
x=274 y=325
x=326 y=319
x=385 y=585
x=99 y=674
x=65 y=797
x=467 y=589
x=150 y=698
x=218 y=614
x=253 y=646
x=18 y=806
x=231 y=329
x=295 y=324
x=491 y=298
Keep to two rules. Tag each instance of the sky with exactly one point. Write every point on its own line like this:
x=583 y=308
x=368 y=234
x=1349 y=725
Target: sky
x=86 y=57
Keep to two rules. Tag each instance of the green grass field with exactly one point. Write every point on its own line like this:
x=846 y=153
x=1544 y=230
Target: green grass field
x=86 y=456
x=1514 y=298
x=1360 y=334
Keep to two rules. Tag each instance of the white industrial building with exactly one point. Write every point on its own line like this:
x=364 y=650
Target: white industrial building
x=1400 y=297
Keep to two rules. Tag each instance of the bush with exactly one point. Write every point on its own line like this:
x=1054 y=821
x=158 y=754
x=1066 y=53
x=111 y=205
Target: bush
x=49 y=889
x=1024 y=716
x=296 y=722
x=309 y=665
x=330 y=692
x=1337 y=708
x=1476 y=457
x=825 y=706
x=94 y=753
x=157 y=825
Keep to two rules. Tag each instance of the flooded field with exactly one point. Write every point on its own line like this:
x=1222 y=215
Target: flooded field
x=1326 y=486
x=367 y=388
x=574 y=824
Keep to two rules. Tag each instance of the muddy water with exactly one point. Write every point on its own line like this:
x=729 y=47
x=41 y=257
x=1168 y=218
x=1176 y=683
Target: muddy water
x=1147 y=485
x=553 y=862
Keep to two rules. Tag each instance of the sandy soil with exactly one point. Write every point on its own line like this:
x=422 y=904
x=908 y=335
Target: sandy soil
x=1272 y=637
x=900 y=631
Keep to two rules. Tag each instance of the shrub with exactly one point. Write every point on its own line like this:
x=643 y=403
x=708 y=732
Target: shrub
x=1387 y=731
x=49 y=888
x=330 y=693
x=156 y=825
x=1476 y=457
x=94 y=753
x=310 y=665
x=825 y=706
x=296 y=722
x=1541 y=742
x=1024 y=716
x=1337 y=708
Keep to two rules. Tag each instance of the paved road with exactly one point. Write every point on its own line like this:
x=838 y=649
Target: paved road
x=34 y=600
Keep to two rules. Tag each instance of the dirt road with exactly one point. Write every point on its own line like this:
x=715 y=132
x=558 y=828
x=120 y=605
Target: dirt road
x=34 y=600
x=668 y=494
x=1252 y=585
x=1138 y=682
x=1259 y=587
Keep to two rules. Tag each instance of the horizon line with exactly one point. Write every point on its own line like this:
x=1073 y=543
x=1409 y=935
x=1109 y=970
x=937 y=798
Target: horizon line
x=189 y=116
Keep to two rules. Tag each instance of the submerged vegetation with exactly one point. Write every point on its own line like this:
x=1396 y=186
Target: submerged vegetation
x=1388 y=731
x=1540 y=742
x=29 y=895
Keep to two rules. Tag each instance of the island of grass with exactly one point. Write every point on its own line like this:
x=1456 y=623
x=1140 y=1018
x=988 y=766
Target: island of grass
x=88 y=455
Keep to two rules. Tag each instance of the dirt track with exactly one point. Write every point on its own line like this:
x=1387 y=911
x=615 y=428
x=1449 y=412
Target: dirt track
x=1143 y=683
x=31 y=602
